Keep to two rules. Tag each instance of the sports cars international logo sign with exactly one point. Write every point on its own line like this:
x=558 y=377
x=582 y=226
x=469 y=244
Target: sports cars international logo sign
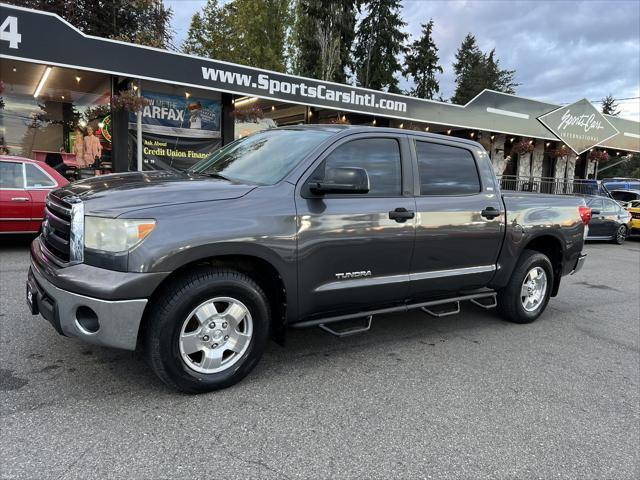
x=579 y=125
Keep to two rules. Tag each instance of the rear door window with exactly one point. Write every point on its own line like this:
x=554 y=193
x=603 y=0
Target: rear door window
x=446 y=170
x=36 y=178
x=611 y=207
x=596 y=204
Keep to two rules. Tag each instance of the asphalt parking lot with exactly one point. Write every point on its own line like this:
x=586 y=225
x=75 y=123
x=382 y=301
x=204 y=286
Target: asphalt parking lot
x=468 y=396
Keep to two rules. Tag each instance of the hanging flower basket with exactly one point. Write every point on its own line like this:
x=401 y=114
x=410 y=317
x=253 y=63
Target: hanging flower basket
x=129 y=100
x=561 y=151
x=522 y=147
x=599 y=155
x=248 y=114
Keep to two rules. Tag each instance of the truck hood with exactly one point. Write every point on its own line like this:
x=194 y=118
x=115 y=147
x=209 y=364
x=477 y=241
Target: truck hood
x=118 y=193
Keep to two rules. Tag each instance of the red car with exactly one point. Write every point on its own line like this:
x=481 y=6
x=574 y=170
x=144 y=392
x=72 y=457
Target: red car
x=24 y=185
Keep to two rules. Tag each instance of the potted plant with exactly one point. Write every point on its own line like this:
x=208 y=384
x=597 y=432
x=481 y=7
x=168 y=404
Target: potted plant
x=130 y=101
x=599 y=155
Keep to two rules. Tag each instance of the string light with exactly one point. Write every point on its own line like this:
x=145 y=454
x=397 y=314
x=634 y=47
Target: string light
x=493 y=137
x=273 y=108
x=512 y=139
x=78 y=79
x=402 y=125
x=187 y=94
x=426 y=129
x=374 y=121
x=449 y=132
x=548 y=144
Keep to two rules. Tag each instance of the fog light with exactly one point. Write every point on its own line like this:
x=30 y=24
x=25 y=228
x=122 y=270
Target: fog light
x=87 y=320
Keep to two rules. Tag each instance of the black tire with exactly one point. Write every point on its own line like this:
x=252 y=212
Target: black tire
x=510 y=305
x=621 y=235
x=176 y=301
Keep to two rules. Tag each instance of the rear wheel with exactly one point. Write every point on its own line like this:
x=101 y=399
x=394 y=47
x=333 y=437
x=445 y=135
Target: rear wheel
x=621 y=235
x=527 y=294
x=208 y=331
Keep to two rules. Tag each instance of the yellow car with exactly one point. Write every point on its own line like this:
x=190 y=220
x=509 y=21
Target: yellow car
x=634 y=210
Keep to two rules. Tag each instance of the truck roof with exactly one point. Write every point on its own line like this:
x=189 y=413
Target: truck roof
x=350 y=129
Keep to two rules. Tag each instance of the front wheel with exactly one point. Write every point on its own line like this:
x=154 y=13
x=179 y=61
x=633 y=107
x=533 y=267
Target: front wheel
x=621 y=235
x=527 y=294
x=208 y=330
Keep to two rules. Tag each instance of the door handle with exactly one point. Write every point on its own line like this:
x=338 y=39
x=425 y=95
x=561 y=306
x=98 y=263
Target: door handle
x=20 y=199
x=490 y=212
x=401 y=215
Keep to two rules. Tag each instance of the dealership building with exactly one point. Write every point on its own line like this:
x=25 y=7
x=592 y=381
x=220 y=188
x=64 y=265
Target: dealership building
x=157 y=109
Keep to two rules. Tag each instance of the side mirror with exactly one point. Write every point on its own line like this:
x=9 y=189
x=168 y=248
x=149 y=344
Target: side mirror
x=595 y=212
x=341 y=180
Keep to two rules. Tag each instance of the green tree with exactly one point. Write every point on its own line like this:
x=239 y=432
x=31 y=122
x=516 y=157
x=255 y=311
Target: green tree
x=250 y=32
x=476 y=71
x=609 y=106
x=210 y=32
x=322 y=37
x=421 y=63
x=379 y=42
x=497 y=78
x=145 y=22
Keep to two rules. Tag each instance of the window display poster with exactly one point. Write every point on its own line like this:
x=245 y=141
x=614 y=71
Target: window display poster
x=161 y=152
x=179 y=116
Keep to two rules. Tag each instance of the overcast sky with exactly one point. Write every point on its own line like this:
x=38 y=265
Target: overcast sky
x=562 y=51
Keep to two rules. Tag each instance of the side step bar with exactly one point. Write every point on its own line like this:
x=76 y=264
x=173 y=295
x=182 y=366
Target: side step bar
x=486 y=302
x=485 y=299
x=443 y=312
x=349 y=331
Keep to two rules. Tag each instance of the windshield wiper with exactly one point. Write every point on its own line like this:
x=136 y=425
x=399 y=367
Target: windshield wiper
x=214 y=175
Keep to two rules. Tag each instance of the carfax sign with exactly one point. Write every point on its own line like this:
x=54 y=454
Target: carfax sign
x=579 y=125
x=178 y=116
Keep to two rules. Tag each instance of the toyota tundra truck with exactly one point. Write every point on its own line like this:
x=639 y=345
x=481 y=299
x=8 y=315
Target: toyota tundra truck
x=317 y=225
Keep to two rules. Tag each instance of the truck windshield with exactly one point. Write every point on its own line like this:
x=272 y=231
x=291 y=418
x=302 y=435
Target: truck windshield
x=263 y=158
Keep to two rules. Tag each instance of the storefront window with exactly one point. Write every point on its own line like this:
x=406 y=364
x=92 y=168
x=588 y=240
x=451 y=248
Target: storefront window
x=56 y=115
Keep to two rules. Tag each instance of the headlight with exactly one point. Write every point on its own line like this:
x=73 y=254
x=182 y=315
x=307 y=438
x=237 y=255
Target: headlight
x=114 y=234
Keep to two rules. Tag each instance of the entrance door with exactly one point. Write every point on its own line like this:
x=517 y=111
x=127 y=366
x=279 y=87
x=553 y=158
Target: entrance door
x=351 y=252
x=460 y=223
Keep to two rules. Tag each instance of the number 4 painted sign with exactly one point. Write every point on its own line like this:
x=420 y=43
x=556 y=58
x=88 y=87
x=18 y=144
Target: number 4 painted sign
x=9 y=32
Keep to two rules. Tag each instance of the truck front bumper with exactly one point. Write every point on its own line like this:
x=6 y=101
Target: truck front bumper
x=110 y=323
x=96 y=305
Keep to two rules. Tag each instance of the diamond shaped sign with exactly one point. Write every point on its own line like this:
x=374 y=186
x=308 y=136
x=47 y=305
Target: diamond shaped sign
x=579 y=125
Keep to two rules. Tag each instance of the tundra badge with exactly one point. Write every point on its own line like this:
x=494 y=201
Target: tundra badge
x=344 y=276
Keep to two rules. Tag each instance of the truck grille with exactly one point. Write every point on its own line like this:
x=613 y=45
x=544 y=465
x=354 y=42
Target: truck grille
x=56 y=229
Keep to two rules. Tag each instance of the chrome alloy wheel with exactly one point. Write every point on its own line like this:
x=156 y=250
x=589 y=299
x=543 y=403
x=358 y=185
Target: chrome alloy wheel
x=215 y=335
x=621 y=234
x=534 y=288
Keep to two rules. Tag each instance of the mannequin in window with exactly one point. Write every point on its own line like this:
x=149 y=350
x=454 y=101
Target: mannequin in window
x=92 y=148
x=78 y=148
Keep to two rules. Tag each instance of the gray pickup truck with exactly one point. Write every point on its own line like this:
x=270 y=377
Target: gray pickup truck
x=293 y=227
